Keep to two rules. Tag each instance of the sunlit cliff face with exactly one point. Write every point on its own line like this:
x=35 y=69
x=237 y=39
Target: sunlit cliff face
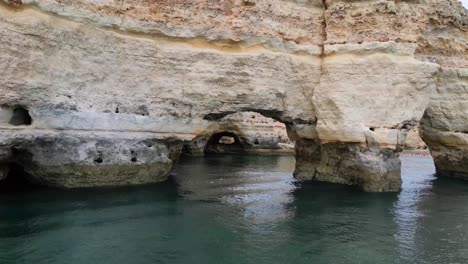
x=111 y=91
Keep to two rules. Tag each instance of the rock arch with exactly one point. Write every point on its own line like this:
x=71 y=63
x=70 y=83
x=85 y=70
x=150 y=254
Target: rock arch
x=251 y=131
x=348 y=78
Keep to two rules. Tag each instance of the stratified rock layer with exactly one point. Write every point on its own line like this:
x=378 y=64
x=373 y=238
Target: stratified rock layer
x=86 y=78
x=78 y=159
x=445 y=124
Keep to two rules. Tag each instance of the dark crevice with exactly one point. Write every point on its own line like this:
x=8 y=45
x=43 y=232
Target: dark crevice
x=186 y=150
x=134 y=156
x=325 y=4
x=248 y=3
x=273 y=114
x=17 y=179
x=217 y=116
x=99 y=158
x=324 y=25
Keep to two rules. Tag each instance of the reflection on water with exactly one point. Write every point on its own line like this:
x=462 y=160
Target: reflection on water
x=407 y=214
x=258 y=188
x=237 y=209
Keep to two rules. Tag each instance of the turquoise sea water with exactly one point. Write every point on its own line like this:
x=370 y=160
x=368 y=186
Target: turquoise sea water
x=240 y=209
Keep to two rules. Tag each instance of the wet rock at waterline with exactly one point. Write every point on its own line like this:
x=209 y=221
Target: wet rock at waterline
x=372 y=169
x=74 y=159
x=445 y=124
x=352 y=77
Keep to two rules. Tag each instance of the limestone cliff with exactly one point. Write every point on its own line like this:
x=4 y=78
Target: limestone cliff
x=113 y=89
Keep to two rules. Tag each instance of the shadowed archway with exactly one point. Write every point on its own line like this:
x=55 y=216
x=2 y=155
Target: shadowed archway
x=224 y=142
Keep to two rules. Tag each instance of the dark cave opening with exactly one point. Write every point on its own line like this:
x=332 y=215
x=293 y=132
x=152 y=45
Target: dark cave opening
x=224 y=142
x=17 y=179
x=20 y=117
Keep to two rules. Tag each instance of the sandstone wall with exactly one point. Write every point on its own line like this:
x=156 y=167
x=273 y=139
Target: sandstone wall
x=347 y=78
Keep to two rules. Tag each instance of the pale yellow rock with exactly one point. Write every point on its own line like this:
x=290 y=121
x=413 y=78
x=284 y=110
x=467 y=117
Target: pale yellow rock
x=445 y=124
x=342 y=76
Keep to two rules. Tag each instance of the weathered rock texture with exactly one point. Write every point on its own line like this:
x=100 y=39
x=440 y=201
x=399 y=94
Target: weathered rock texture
x=414 y=140
x=250 y=133
x=347 y=78
x=445 y=124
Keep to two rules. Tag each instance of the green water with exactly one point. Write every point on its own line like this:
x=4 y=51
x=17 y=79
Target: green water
x=233 y=209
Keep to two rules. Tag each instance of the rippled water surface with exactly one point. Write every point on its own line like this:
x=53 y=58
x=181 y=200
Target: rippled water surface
x=237 y=209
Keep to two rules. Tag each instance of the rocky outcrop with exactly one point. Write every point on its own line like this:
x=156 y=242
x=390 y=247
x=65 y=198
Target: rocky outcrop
x=372 y=169
x=445 y=124
x=77 y=159
x=108 y=76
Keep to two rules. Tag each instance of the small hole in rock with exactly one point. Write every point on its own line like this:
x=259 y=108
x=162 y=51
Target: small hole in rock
x=248 y=3
x=372 y=128
x=256 y=142
x=227 y=140
x=98 y=160
x=134 y=159
x=20 y=117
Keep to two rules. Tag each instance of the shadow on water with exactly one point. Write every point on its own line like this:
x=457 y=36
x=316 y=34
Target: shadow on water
x=38 y=203
x=342 y=224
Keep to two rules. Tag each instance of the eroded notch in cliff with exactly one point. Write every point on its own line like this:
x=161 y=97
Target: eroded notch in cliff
x=20 y=117
x=16 y=179
x=15 y=116
x=14 y=176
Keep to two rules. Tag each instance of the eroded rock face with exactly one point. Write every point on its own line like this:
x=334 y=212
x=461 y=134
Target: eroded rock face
x=74 y=159
x=352 y=77
x=250 y=132
x=445 y=124
x=372 y=169
x=414 y=140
